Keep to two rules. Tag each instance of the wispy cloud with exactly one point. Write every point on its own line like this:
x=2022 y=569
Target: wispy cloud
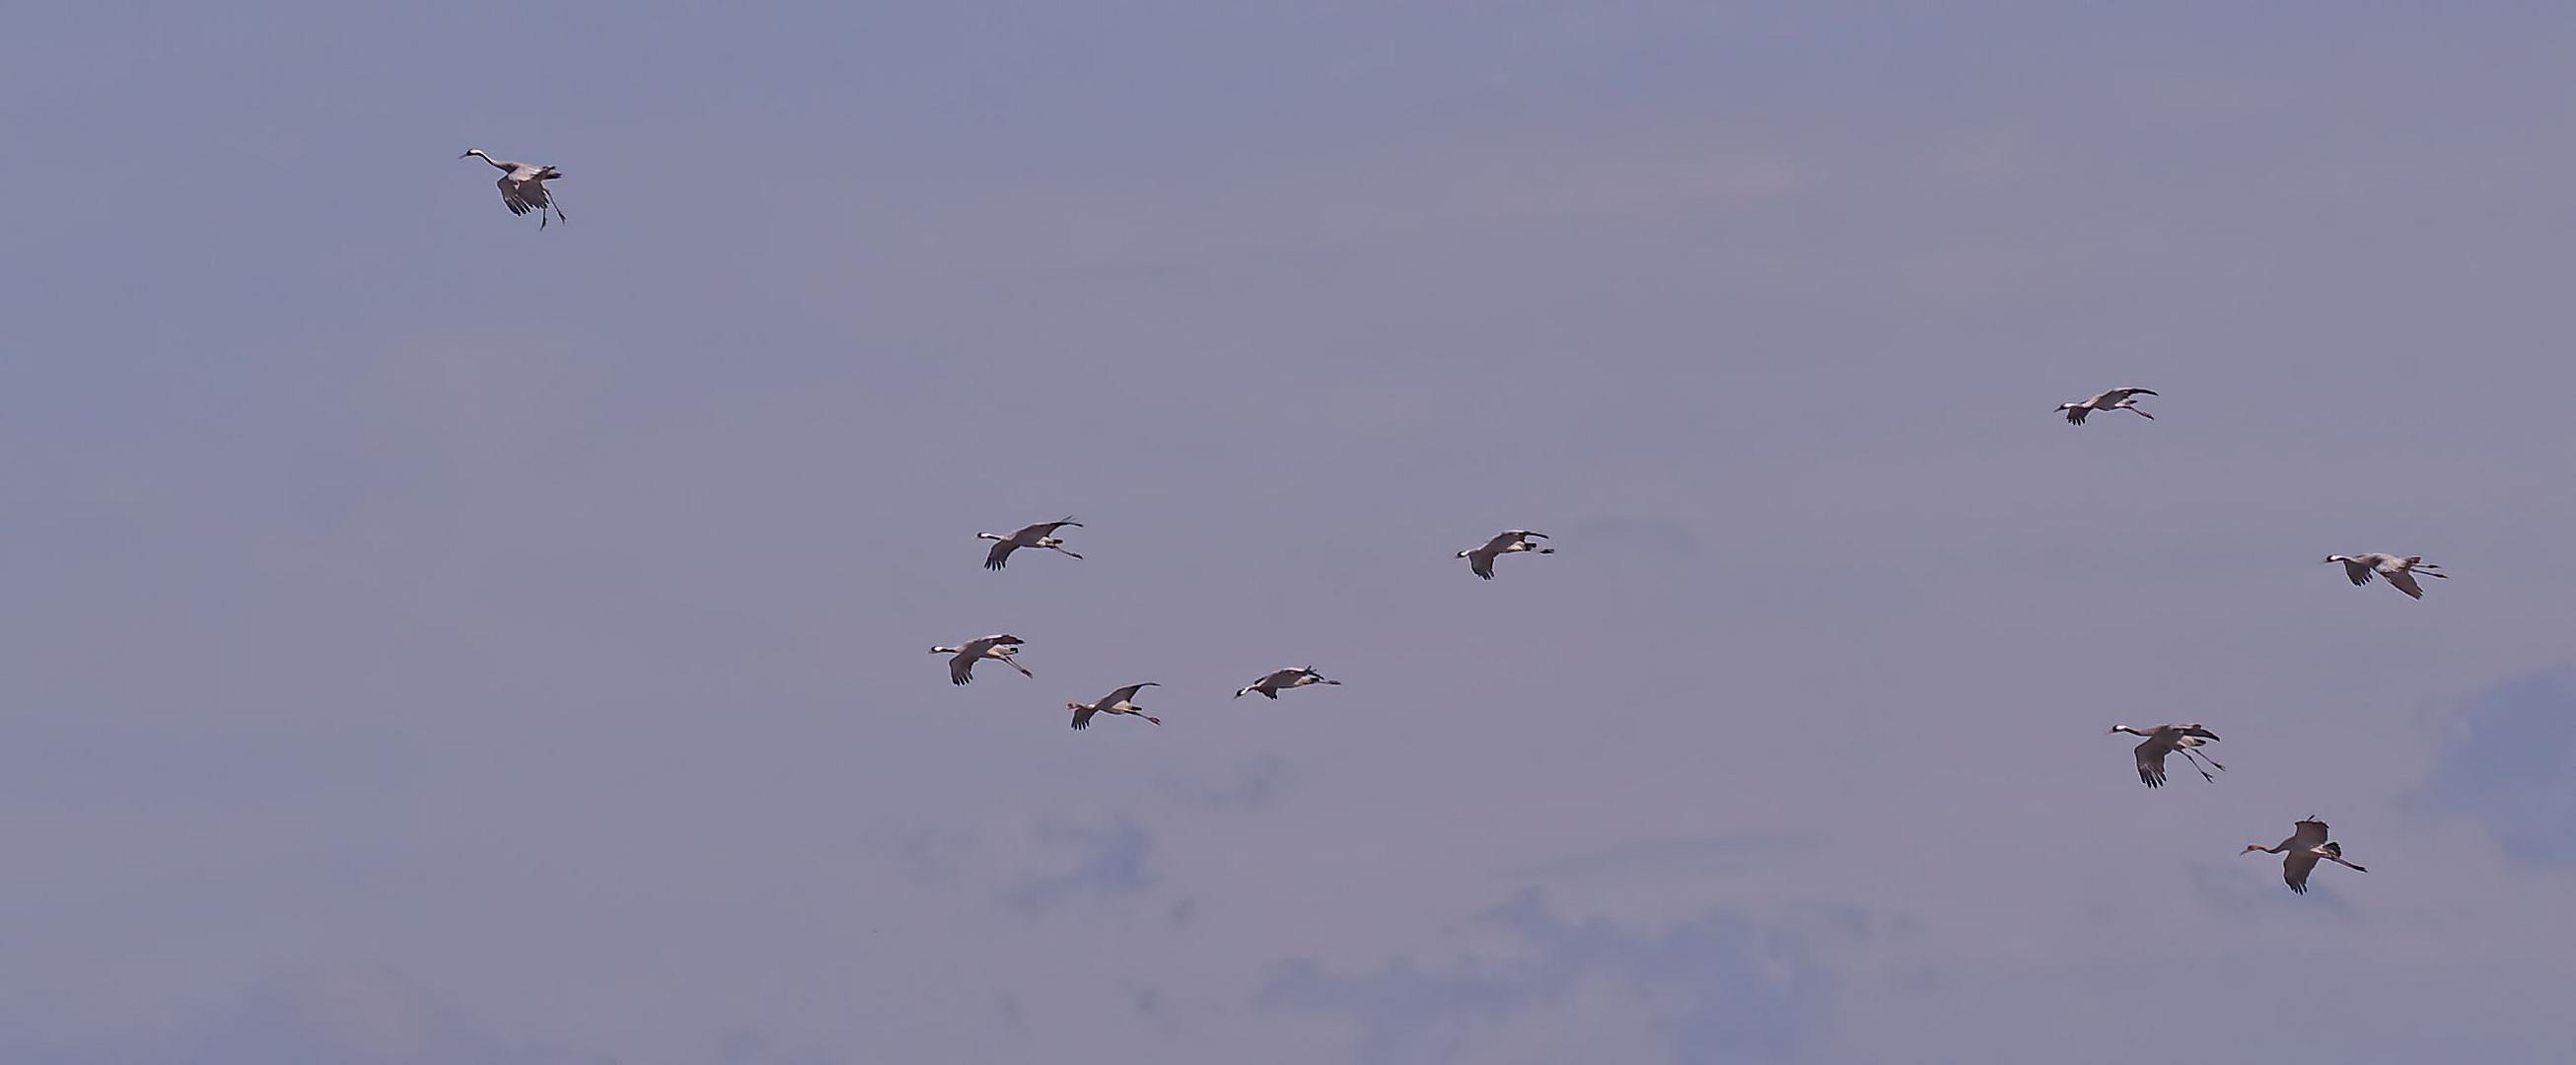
x=1252 y=784
x=1109 y=862
x=2250 y=888
x=2501 y=758
x=1703 y=855
x=332 y=1015
x=932 y=856
x=1721 y=984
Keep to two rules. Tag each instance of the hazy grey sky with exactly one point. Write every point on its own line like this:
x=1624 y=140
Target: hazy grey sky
x=432 y=641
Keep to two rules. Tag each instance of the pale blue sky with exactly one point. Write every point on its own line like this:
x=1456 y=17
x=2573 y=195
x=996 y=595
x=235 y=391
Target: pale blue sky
x=432 y=640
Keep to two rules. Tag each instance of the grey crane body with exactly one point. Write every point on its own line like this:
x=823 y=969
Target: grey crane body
x=998 y=647
x=2306 y=846
x=1121 y=701
x=2163 y=740
x=523 y=185
x=2399 y=571
x=1271 y=682
x=1512 y=541
x=1040 y=535
x=2115 y=399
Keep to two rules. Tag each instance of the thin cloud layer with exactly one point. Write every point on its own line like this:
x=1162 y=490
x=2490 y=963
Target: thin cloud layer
x=2506 y=758
x=1109 y=861
x=1717 y=986
x=343 y=1015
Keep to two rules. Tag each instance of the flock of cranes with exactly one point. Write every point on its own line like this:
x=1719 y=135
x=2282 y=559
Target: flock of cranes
x=523 y=190
x=2308 y=842
x=1001 y=647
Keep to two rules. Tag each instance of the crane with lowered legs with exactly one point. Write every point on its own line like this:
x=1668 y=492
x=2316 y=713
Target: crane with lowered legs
x=1121 y=701
x=2169 y=739
x=1040 y=535
x=998 y=647
x=523 y=185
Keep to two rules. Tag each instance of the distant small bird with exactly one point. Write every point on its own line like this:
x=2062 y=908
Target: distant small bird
x=1117 y=702
x=1270 y=683
x=999 y=647
x=2115 y=399
x=2168 y=739
x=2305 y=845
x=2399 y=571
x=1481 y=559
x=1040 y=535
x=523 y=185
